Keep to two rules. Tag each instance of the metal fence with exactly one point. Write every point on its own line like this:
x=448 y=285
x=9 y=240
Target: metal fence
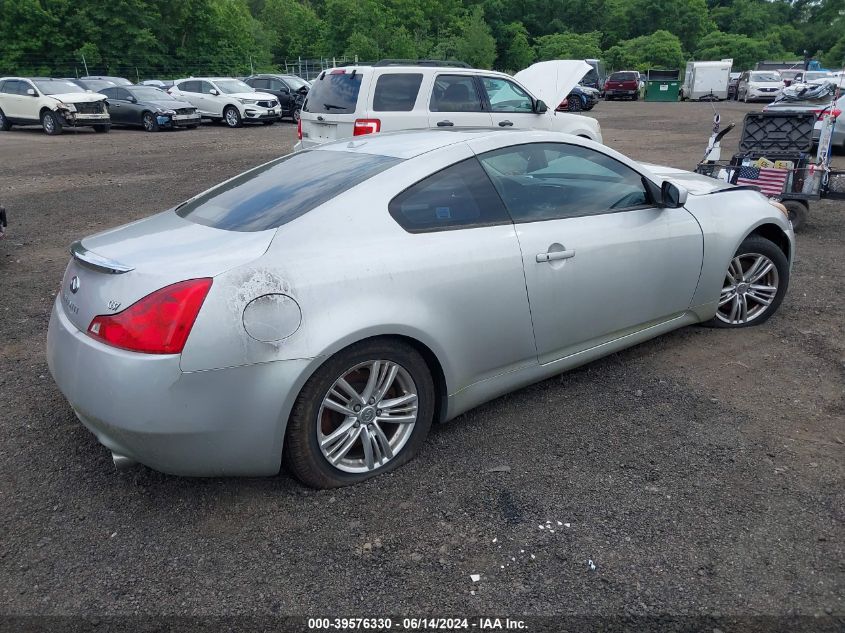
x=307 y=68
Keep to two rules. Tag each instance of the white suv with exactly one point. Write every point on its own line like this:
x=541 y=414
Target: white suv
x=52 y=103
x=227 y=99
x=389 y=96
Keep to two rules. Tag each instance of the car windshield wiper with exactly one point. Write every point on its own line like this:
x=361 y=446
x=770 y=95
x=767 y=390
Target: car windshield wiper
x=330 y=106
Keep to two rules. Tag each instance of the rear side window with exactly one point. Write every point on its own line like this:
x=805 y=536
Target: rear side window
x=189 y=86
x=336 y=93
x=460 y=196
x=396 y=92
x=10 y=87
x=455 y=93
x=276 y=193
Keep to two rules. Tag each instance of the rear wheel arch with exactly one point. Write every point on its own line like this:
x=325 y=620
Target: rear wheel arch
x=431 y=359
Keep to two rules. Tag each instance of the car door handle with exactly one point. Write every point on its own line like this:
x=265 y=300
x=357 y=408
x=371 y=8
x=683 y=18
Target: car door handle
x=554 y=256
x=445 y=124
x=505 y=123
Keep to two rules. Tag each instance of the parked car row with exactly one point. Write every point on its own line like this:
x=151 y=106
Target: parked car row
x=101 y=102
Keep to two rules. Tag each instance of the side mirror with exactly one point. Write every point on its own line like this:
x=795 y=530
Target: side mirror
x=672 y=196
x=133 y=100
x=214 y=92
x=31 y=92
x=540 y=107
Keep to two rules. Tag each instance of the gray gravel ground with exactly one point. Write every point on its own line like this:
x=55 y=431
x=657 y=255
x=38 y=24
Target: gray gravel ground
x=702 y=472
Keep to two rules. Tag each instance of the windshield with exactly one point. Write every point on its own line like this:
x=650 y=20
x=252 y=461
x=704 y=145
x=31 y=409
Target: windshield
x=295 y=82
x=56 y=86
x=148 y=93
x=335 y=93
x=97 y=84
x=276 y=193
x=765 y=77
x=232 y=86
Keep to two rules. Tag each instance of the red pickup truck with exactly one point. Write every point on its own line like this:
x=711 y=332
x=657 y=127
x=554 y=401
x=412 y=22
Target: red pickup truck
x=622 y=84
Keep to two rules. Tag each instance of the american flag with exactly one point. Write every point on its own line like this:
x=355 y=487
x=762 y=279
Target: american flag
x=770 y=180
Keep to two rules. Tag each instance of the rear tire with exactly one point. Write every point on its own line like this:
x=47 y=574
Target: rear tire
x=755 y=284
x=798 y=212
x=5 y=126
x=231 y=117
x=312 y=424
x=51 y=122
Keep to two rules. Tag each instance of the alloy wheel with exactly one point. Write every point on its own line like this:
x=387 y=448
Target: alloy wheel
x=232 y=118
x=367 y=416
x=751 y=284
x=149 y=124
x=49 y=124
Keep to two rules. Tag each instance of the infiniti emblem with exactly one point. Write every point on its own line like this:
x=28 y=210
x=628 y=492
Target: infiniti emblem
x=74 y=284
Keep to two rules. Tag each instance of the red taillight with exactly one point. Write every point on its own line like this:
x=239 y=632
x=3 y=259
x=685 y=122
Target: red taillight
x=299 y=129
x=366 y=126
x=157 y=324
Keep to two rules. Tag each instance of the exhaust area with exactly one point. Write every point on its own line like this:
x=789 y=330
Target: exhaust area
x=122 y=462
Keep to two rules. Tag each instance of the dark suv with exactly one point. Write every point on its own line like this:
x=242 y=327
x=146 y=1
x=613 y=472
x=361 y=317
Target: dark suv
x=289 y=89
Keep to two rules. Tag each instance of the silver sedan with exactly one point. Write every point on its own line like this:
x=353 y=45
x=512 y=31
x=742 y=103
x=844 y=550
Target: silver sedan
x=324 y=309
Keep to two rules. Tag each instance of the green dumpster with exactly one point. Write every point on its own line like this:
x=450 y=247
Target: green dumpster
x=663 y=85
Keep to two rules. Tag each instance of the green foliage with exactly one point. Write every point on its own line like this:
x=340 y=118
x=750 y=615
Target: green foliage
x=661 y=49
x=519 y=54
x=744 y=50
x=569 y=46
x=165 y=38
x=476 y=45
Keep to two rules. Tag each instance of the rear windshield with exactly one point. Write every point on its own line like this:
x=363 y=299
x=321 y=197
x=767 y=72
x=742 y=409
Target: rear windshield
x=276 y=193
x=335 y=93
x=623 y=77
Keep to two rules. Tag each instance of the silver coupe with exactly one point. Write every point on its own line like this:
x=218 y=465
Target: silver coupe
x=324 y=309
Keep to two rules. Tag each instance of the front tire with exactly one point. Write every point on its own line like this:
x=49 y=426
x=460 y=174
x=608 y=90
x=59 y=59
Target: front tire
x=52 y=123
x=295 y=116
x=231 y=117
x=5 y=126
x=149 y=121
x=340 y=430
x=575 y=104
x=754 y=286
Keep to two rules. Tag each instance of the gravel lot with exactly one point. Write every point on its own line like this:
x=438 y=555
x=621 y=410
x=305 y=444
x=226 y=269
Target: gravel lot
x=702 y=472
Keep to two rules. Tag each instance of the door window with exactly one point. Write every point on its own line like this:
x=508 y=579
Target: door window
x=396 y=92
x=457 y=197
x=455 y=93
x=206 y=87
x=278 y=86
x=10 y=87
x=121 y=94
x=506 y=96
x=189 y=86
x=546 y=181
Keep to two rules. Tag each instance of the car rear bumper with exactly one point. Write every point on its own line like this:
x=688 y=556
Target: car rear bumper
x=206 y=423
x=621 y=92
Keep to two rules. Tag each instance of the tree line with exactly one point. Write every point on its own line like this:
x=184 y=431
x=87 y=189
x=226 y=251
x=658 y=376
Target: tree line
x=166 y=38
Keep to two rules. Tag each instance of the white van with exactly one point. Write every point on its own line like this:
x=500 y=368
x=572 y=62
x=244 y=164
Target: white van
x=390 y=96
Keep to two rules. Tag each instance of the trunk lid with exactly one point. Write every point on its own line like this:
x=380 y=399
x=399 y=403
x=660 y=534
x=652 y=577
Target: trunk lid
x=553 y=80
x=112 y=270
